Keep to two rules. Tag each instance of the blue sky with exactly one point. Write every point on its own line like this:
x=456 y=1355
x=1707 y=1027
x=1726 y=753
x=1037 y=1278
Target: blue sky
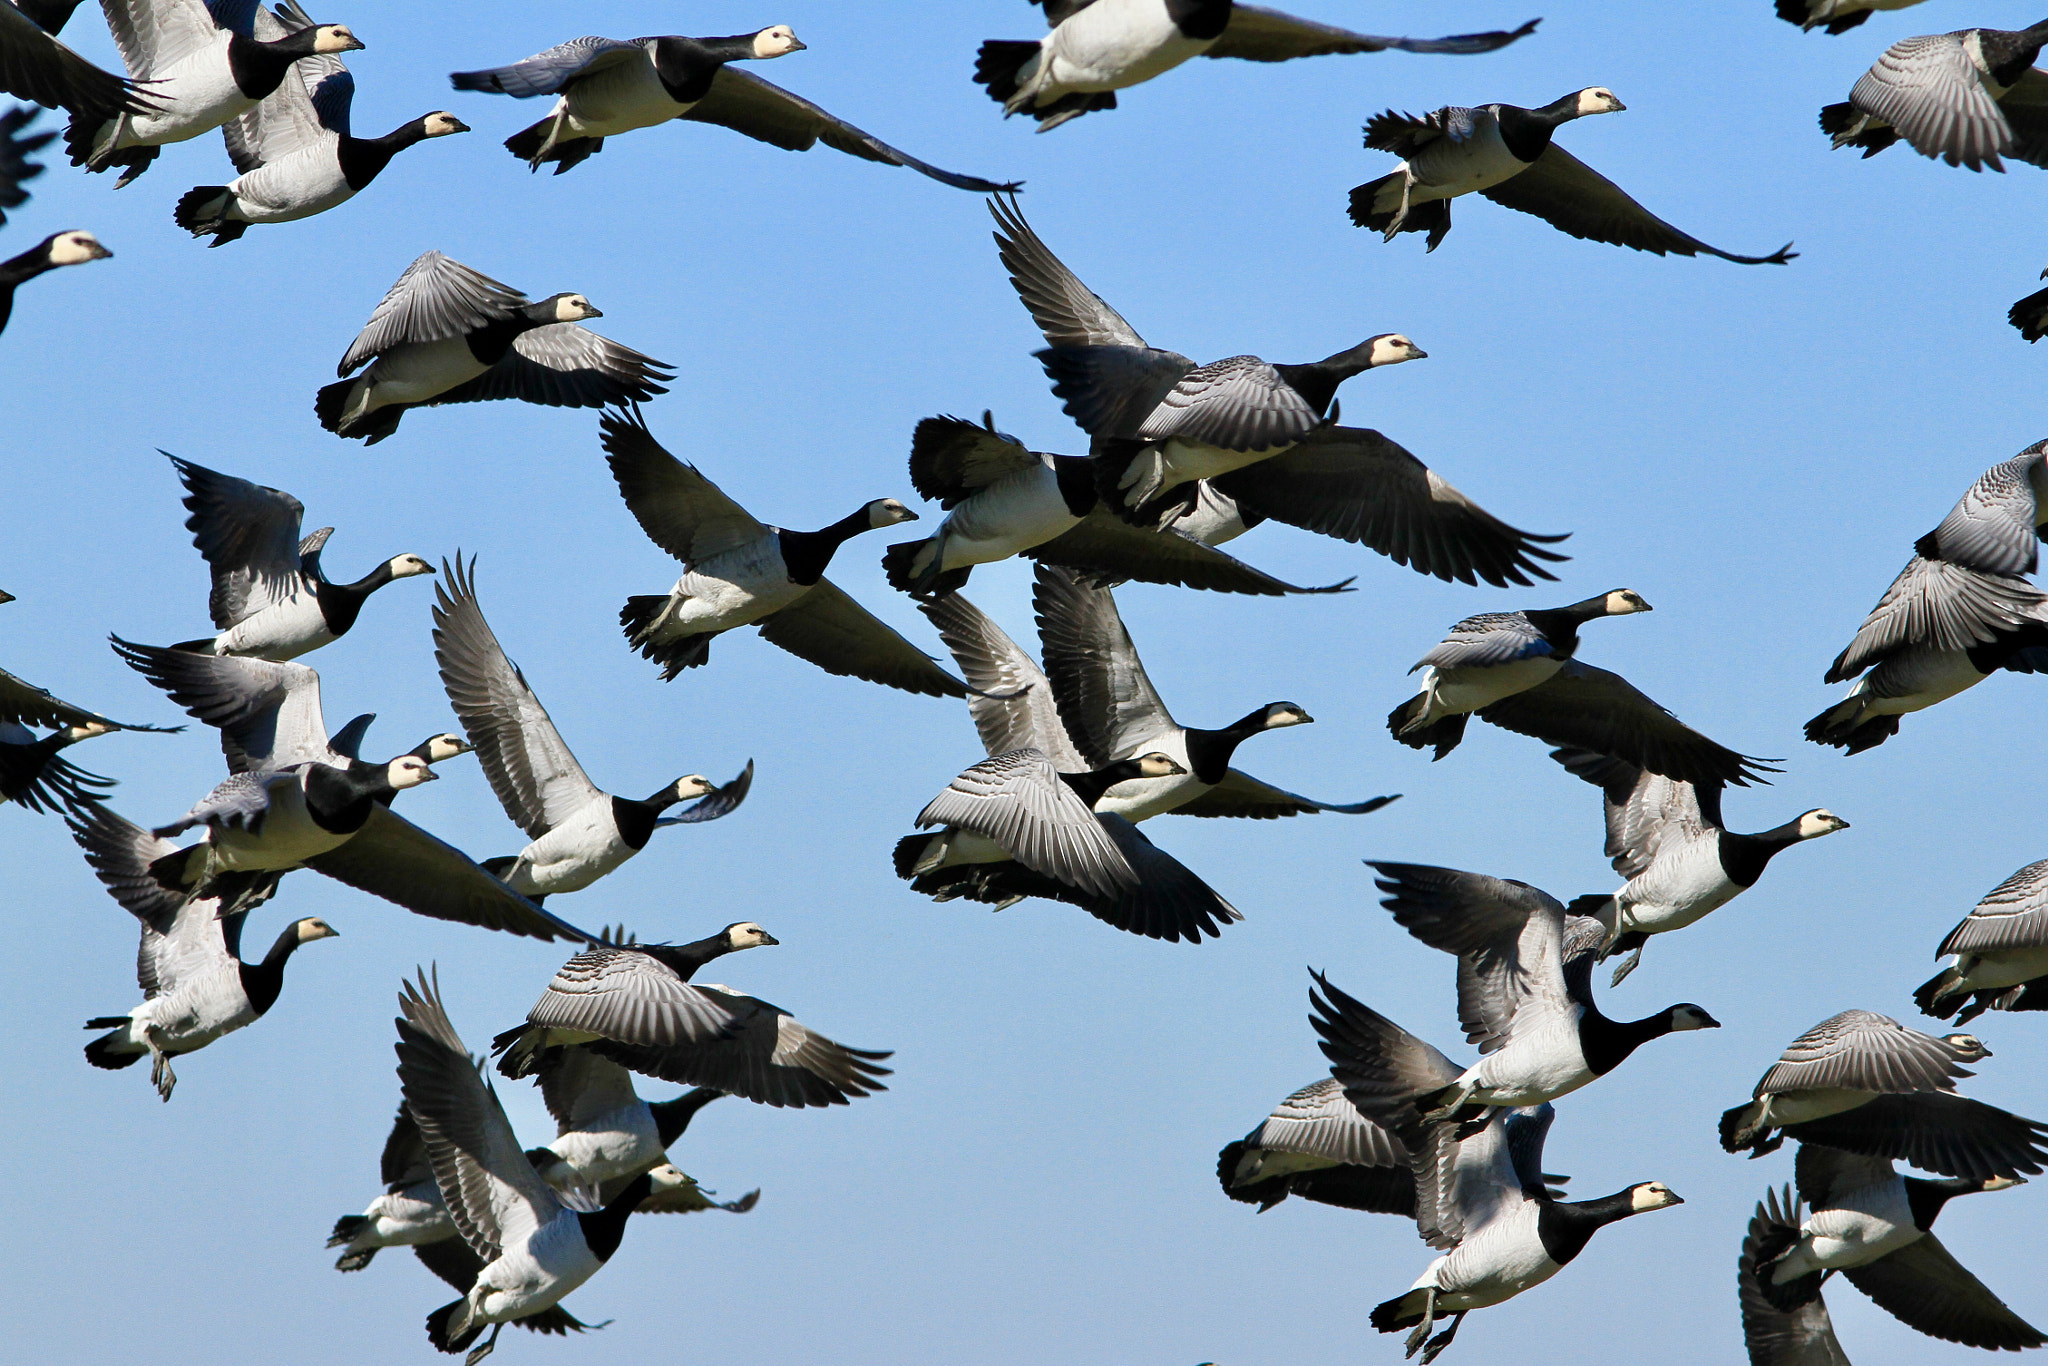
x=1751 y=449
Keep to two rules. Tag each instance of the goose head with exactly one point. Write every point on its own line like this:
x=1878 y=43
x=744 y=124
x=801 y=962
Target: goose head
x=2001 y=1183
x=1157 y=765
x=441 y=124
x=1968 y=1047
x=88 y=731
x=73 y=248
x=1817 y=822
x=1689 y=1016
x=564 y=308
x=887 y=512
x=1650 y=1195
x=778 y=40
x=1276 y=715
x=312 y=928
x=407 y=566
x=408 y=770
x=441 y=748
x=331 y=38
x=745 y=934
x=695 y=785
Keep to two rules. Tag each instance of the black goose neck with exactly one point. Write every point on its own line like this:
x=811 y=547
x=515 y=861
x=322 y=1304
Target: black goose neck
x=2007 y=55
x=339 y=799
x=342 y=603
x=26 y=266
x=262 y=982
x=1200 y=19
x=1607 y=1043
x=806 y=553
x=671 y=1117
x=1075 y=476
x=258 y=67
x=1527 y=132
x=1317 y=381
x=685 y=959
x=1565 y=1227
x=602 y=1229
x=1926 y=1198
x=362 y=159
x=635 y=820
x=687 y=66
x=1089 y=787
x=1210 y=751
x=490 y=342
x=1744 y=857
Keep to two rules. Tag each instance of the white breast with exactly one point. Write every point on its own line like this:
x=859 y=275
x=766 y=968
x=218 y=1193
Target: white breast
x=288 y=838
x=1113 y=44
x=1012 y=515
x=573 y=855
x=200 y=1010
x=307 y=182
x=1683 y=883
x=1540 y=1063
x=1496 y=1263
x=619 y=99
x=1468 y=689
x=284 y=630
x=196 y=96
x=621 y=1142
x=418 y=371
x=529 y=1278
x=1446 y=169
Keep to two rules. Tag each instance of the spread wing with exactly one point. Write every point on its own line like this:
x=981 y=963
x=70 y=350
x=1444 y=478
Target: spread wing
x=155 y=35
x=1574 y=198
x=392 y=858
x=1236 y=404
x=436 y=297
x=680 y=510
x=1485 y=640
x=716 y=804
x=405 y=1161
x=1993 y=527
x=1110 y=707
x=1066 y=311
x=564 y=365
x=537 y=779
x=1645 y=811
x=1240 y=794
x=1358 y=486
x=1170 y=902
x=1924 y=1287
x=1381 y=1066
x=767 y=1056
x=1112 y=391
x=1826 y=1175
x=1258 y=34
x=181 y=936
x=578 y=1086
x=1860 y=1050
x=1929 y=89
x=624 y=996
x=1777 y=1337
x=842 y=637
x=249 y=537
x=950 y=458
x=37 y=67
x=1017 y=800
x=24 y=704
x=1591 y=708
x=545 y=73
x=1942 y=606
x=309 y=108
x=1107 y=550
x=2012 y=915
x=1317 y=1121
x=1013 y=705
x=1404 y=134
x=1936 y=1131
x=267 y=711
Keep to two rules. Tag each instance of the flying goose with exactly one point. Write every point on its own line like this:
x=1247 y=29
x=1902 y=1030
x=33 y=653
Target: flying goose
x=608 y=86
x=1158 y=419
x=270 y=598
x=1956 y=614
x=1967 y=97
x=1804 y=1336
x=1098 y=47
x=295 y=152
x=15 y=147
x=635 y=1005
x=1525 y=998
x=196 y=986
x=1864 y=1083
x=35 y=66
x=30 y=770
x=199 y=74
x=1505 y=152
x=1875 y=1228
x=1318 y=1146
x=2001 y=953
x=448 y=334
x=1483 y=1203
x=741 y=572
x=1839 y=15
x=579 y=832
x=73 y=247
x=1517 y=670
x=1667 y=839
x=534 y=1248
x=1002 y=500
x=294 y=800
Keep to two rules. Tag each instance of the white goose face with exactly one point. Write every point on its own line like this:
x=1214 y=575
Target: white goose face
x=1820 y=821
x=444 y=747
x=335 y=38
x=313 y=928
x=1968 y=1047
x=1652 y=1195
x=668 y=1177
x=778 y=41
x=441 y=123
x=747 y=935
x=1157 y=765
x=1282 y=714
x=1689 y=1016
x=408 y=770
x=1598 y=99
x=75 y=248
x=696 y=785
x=409 y=566
x=888 y=512
x=572 y=308
x=1394 y=348
x=1624 y=602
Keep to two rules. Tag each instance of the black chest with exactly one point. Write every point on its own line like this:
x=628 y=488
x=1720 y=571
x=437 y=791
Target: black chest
x=1200 y=19
x=490 y=342
x=333 y=802
x=261 y=983
x=1075 y=476
x=2007 y=56
x=1743 y=857
x=685 y=69
x=1559 y=630
x=1209 y=753
x=1563 y=1231
x=1606 y=1043
x=361 y=159
x=635 y=821
x=340 y=605
x=805 y=555
x=256 y=69
x=1522 y=133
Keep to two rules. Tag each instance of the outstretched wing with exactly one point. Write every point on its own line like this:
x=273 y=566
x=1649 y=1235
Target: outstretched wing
x=1258 y=34
x=564 y=365
x=842 y=637
x=1574 y=198
x=545 y=73
x=436 y=297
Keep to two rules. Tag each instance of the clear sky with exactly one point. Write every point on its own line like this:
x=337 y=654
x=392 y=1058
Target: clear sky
x=1752 y=449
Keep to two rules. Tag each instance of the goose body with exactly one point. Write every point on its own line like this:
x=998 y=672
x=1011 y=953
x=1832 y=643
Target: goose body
x=1839 y=16
x=1967 y=97
x=2001 y=952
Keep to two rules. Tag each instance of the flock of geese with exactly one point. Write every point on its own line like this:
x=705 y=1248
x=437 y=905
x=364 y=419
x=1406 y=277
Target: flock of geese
x=1081 y=750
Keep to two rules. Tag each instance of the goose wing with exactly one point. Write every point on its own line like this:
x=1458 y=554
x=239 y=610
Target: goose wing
x=248 y=535
x=1802 y=1337
x=436 y=297
x=181 y=936
x=1860 y=1050
x=579 y=1086
x=1645 y=811
x=35 y=66
x=1240 y=794
x=564 y=365
x=1258 y=34
x=1462 y=1185
x=1992 y=527
x=1239 y=403
x=24 y=704
x=1114 y=391
x=765 y=111
x=1485 y=640
x=545 y=73
x=1574 y=198
x=1012 y=704
x=1924 y=1287
x=1936 y=1131
x=1317 y=1121
x=2025 y=106
x=309 y=108
x=766 y=1055
x=950 y=457
x=680 y=510
x=1109 y=705
x=392 y=858
x=1404 y=134
x=1941 y=606
x=620 y=995
x=842 y=637
x=16 y=169
x=719 y=802
x=404 y=1161
x=267 y=711
x=2012 y=915
x=238 y=802
x=1017 y=800
x=1382 y=1068
x=1825 y=1174
x=1356 y=485
x=1066 y=311
x=1108 y=550
x=492 y=1193
x=1591 y=708
x=1932 y=93
x=537 y=779
x=155 y=35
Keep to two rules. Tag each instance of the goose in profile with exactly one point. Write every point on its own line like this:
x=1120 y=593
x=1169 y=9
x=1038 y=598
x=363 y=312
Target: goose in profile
x=1098 y=47
x=1525 y=998
x=1518 y=671
x=635 y=1005
x=1967 y=97
x=270 y=598
x=16 y=147
x=1668 y=840
x=74 y=247
x=202 y=65
x=196 y=986
x=294 y=151
x=1505 y=153
x=35 y=66
x=608 y=86
x=1838 y=15
x=294 y=800
x=1486 y=1207
x=2001 y=953
x=579 y=832
x=1002 y=499
x=1874 y=1227
x=534 y=1248
x=1959 y=611
x=742 y=572
x=1864 y=1083
x=448 y=334
x=32 y=770
x=410 y=1212
x=1158 y=419
x=1318 y=1146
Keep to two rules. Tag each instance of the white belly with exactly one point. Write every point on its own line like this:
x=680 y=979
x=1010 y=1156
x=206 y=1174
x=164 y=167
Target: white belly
x=307 y=182
x=196 y=96
x=571 y=856
x=412 y=1217
x=618 y=100
x=199 y=1011
x=284 y=630
x=1499 y=1262
x=619 y=1143
x=1681 y=886
x=1541 y=1066
x=964 y=846
x=1915 y=679
x=1111 y=45
x=1012 y=515
x=288 y=838
x=1454 y=690
x=532 y=1277
x=1797 y=1107
x=414 y=373
x=2001 y=968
